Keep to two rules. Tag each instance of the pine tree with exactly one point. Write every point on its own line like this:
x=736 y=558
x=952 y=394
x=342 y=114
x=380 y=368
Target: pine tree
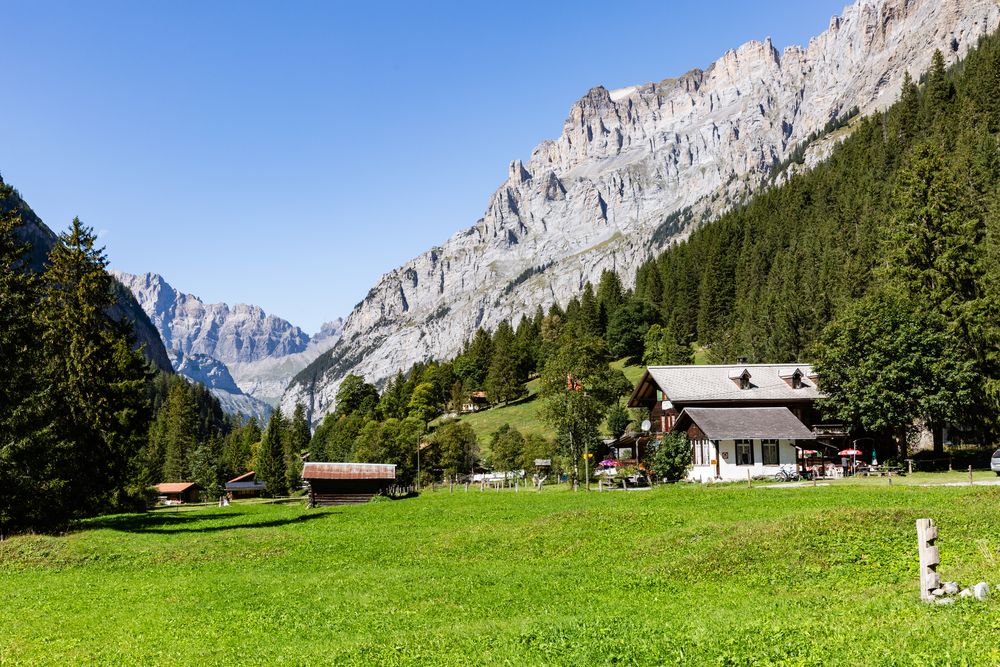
x=23 y=475
x=271 y=468
x=296 y=443
x=96 y=381
x=503 y=382
x=180 y=421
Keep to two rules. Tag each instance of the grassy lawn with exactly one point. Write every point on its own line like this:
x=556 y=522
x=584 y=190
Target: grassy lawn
x=678 y=575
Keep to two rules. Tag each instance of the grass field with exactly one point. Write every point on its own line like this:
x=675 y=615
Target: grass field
x=721 y=575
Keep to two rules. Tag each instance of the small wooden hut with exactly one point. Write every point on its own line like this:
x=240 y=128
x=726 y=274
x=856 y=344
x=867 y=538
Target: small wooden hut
x=346 y=483
x=176 y=493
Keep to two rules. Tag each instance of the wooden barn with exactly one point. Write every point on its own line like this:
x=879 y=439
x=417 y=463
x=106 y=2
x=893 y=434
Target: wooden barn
x=245 y=486
x=176 y=493
x=346 y=483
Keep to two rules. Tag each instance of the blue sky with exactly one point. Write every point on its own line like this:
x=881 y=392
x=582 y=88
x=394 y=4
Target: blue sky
x=287 y=154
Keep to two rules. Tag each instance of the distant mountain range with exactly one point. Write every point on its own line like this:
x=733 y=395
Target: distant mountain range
x=245 y=356
x=635 y=170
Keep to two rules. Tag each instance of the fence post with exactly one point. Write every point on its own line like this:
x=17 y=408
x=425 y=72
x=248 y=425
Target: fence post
x=749 y=480
x=970 y=476
x=929 y=558
x=909 y=466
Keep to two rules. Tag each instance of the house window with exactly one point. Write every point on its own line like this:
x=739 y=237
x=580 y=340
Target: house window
x=744 y=452
x=702 y=452
x=769 y=452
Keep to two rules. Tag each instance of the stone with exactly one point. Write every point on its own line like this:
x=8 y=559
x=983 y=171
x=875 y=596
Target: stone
x=938 y=592
x=966 y=593
x=950 y=587
x=981 y=590
x=634 y=170
x=944 y=600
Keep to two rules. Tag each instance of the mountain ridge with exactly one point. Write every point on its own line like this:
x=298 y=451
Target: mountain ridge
x=609 y=192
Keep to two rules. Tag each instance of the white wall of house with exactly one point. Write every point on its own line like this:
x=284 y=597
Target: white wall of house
x=732 y=470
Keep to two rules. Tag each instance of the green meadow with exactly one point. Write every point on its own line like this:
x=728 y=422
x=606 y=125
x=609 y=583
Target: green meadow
x=683 y=574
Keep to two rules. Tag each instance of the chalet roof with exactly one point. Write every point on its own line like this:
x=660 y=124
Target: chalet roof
x=709 y=384
x=176 y=487
x=744 y=423
x=245 y=477
x=317 y=470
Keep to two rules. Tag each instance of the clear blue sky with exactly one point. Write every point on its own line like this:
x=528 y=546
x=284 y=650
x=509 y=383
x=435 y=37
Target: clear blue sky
x=288 y=153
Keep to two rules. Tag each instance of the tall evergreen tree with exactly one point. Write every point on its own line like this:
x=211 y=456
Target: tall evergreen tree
x=503 y=381
x=271 y=468
x=297 y=443
x=23 y=469
x=96 y=395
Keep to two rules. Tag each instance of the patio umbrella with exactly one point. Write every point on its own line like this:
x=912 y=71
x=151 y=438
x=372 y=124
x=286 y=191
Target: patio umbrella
x=809 y=452
x=609 y=463
x=852 y=452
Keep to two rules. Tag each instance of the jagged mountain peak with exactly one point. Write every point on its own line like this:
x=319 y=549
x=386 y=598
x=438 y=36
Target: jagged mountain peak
x=605 y=193
x=241 y=333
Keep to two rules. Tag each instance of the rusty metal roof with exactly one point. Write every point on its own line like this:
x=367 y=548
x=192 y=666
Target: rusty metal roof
x=317 y=470
x=175 y=487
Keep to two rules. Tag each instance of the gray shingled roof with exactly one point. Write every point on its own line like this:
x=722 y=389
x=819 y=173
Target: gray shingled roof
x=686 y=384
x=744 y=423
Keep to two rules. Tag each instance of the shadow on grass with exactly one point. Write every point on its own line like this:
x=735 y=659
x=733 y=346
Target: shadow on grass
x=181 y=523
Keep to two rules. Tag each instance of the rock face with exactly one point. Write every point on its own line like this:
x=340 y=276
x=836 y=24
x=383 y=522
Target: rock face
x=633 y=170
x=42 y=239
x=242 y=333
x=239 y=350
x=212 y=373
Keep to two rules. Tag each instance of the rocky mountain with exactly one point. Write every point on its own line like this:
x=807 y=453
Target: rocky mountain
x=633 y=171
x=267 y=379
x=212 y=373
x=239 y=334
x=42 y=239
x=257 y=352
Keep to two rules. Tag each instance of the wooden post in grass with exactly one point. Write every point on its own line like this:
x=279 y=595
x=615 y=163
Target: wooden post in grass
x=929 y=558
x=749 y=480
x=890 y=478
x=970 y=476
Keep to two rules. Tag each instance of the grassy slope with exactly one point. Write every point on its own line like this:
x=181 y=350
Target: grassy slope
x=684 y=574
x=523 y=414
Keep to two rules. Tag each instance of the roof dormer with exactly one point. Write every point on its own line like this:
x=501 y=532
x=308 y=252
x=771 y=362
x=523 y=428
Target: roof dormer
x=792 y=377
x=741 y=378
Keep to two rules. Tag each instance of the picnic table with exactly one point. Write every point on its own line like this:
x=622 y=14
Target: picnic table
x=881 y=471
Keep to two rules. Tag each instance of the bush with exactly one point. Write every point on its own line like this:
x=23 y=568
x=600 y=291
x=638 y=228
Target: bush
x=672 y=457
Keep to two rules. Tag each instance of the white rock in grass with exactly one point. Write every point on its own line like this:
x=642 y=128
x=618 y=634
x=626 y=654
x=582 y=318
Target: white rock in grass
x=945 y=600
x=937 y=592
x=981 y=590
x=949 y=587
x=966 y=593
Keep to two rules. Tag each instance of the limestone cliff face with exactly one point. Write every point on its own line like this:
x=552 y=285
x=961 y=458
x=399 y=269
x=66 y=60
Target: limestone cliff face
x=239 y=334
x=243 y=348
x=606 y=194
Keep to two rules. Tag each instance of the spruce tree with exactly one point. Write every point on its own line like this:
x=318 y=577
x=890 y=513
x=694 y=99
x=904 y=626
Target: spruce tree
x=23 y=467
x=271 y=468
x=296 y=444
x=96 y=382
x=503 y=382
x=179 y=432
